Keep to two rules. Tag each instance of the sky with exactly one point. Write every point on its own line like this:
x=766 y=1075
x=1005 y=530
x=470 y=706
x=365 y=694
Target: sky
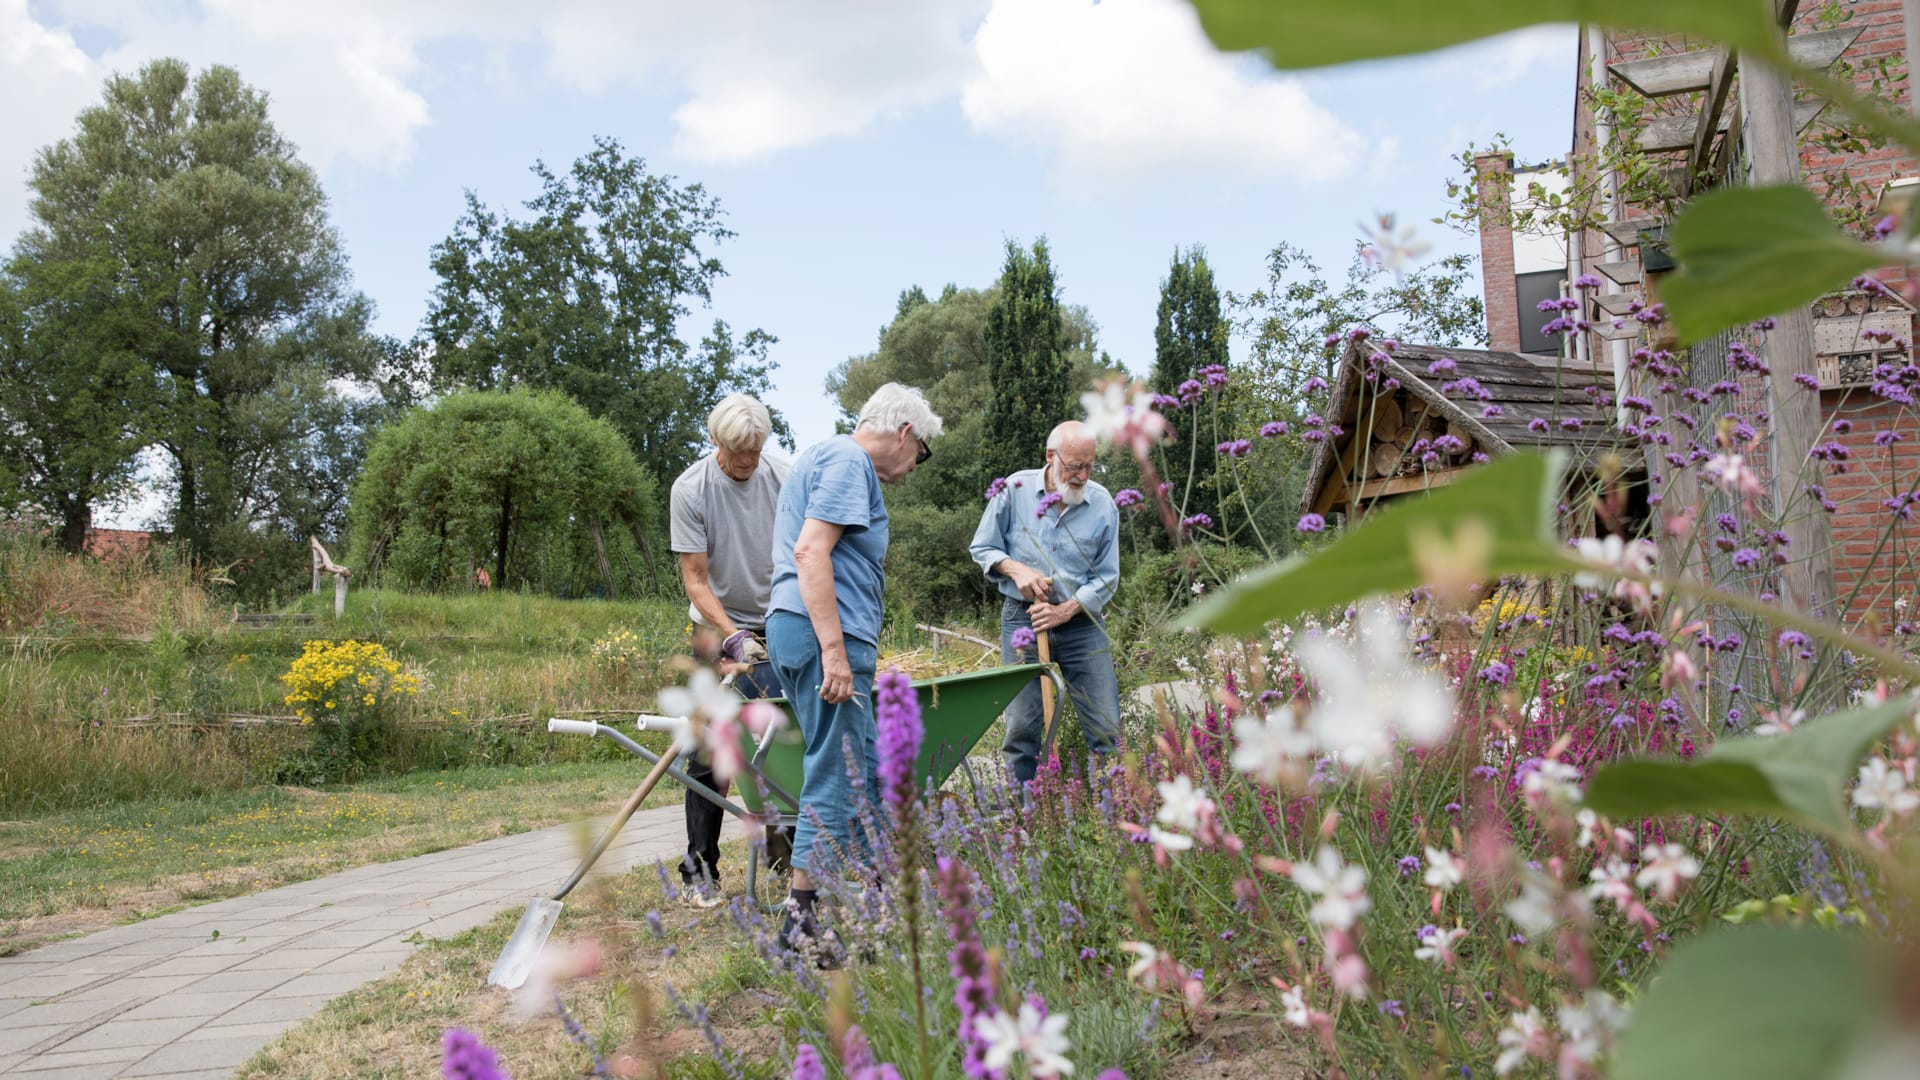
x=857 y=147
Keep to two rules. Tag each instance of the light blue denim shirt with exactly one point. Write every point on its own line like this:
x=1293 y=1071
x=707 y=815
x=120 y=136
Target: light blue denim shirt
x=1077 y=546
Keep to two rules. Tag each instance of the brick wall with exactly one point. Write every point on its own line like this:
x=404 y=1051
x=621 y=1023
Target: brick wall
x=1494 y=172
x=1862 y=524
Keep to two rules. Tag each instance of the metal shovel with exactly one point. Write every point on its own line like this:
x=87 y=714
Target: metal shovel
x=536 y=923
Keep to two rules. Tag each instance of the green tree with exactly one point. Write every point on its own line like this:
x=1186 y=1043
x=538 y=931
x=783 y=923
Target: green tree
x=179 y=191
x=586 y=296
x=941 y=346
x=1025 y=363
x=1289 y=319
x=74 y=397
x=523 y=484
x=1189 y=336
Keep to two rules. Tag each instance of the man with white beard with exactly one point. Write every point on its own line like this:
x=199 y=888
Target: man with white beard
x=1050 y=540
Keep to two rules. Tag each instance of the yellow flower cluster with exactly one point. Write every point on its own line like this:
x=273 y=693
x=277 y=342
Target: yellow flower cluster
x=619 y=649
x=1510 y=608
x=331 y=676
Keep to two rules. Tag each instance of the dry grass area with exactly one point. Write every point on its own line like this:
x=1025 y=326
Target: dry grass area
x=392 y=1028
x=42 y=591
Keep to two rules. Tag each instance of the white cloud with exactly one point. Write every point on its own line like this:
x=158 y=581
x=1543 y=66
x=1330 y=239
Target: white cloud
x=1507 y=59
x=45 y=78
x=1126 y=90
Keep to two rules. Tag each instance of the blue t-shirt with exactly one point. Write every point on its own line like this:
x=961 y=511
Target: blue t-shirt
x=834 y=482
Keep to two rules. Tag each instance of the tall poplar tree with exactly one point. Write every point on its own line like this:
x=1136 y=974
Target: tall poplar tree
x=1191 y=335
x=1026 y=363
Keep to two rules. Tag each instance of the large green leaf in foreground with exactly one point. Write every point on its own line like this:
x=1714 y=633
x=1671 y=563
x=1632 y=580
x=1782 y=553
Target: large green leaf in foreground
x=1756 y=1002
x=1799 y=776
x=1302 y=34
x=1746 y=253
x=1510 y=501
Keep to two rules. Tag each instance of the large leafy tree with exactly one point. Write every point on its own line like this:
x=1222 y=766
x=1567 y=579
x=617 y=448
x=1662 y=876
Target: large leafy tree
x=586 y=295
x=177 y=232
x=523 y=484
x=940 y=346
x=1025 y=362
x=1189 y=336
x=74 y=398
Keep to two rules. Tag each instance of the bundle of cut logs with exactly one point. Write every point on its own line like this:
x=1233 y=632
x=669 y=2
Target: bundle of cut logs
x=1399 y=424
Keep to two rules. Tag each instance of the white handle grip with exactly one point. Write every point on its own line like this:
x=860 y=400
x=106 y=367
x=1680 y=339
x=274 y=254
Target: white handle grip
x=557 y=726
x=674 y=724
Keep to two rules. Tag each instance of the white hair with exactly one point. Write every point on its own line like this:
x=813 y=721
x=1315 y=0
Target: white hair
x=1067 y=431
x=739 y=422
x=893 y=405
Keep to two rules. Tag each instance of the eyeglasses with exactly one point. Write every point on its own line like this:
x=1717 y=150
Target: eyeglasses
x=925 y=452
x=1066 y=466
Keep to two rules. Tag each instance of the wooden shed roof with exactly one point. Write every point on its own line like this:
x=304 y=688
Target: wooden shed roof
x=1522 y=388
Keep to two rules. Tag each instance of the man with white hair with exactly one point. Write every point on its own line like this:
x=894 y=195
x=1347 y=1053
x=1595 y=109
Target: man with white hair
x=823 y=625
x=1050 y=540
x=722 y=511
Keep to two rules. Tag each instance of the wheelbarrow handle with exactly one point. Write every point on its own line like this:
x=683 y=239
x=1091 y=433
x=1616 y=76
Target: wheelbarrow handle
x=558 y=726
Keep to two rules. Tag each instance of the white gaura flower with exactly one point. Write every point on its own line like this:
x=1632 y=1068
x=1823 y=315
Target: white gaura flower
x=1294 y=1004
x=1731 y=473
x=1780 y=721
x=1144 y=969
x=1591 y=1025
x=1613 y=880
x=704 y=703
x=1390 y=248
x=1171 y=841
x=1665 y=868
x=1182 y=805
x=1885 y=787
x=1610 y=555
x=1370 y=692
x=1524 y=1036
x=1588 y=822
x=1533 y=909
x=1342 y=889
x=1444 y=869
x=1437 y=946
x=1553 y=781
x=1123 y=413
x=1041 y=1040
x=1266 y=748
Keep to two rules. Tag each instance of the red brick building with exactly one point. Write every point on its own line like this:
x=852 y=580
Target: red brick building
x=1639 y=149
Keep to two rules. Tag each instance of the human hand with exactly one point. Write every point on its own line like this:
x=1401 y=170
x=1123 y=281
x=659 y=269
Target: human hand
x=836 y=677
x=735 y=646
x=1031 y=583
x=1047 y=616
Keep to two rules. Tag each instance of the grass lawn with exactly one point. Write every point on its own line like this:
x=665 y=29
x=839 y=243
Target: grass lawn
x=393 y=1027
x=78 y=870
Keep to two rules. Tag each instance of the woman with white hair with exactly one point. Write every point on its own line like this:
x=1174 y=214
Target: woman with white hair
x=823 y=624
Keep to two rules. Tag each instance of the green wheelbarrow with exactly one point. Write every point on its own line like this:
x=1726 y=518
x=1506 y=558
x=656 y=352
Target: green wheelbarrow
x=956 y=710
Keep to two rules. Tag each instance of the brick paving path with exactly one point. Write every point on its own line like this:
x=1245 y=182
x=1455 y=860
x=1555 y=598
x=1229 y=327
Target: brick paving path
x=168 y=998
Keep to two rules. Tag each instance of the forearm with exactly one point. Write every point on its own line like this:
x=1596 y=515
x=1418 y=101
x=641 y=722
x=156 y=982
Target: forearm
x=700 y=594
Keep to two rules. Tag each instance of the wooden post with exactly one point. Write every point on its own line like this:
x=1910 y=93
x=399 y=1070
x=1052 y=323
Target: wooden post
x=339 y=595
x=1046 y=693
x=1766 y=95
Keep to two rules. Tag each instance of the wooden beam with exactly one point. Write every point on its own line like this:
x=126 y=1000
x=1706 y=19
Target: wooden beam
x=1617 y=303
x=1667 y=133
x=1709 y=119
x=1627 y=233
x=1401 y=485
x=1690 y=73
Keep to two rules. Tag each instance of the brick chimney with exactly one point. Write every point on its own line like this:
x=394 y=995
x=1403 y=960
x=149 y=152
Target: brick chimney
x=1494 y=173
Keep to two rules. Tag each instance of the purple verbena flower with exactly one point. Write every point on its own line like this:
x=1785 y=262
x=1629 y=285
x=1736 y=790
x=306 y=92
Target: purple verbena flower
x=1022 y=638
x=1273 y=429
x=464 y=1057
x=1127 y=497
x=1311 y=523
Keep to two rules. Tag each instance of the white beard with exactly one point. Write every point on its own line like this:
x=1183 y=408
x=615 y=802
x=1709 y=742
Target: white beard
x=1070 y=494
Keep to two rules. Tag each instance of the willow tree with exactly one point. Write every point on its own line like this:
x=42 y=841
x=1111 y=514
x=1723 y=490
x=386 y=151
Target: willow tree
x=522 y=484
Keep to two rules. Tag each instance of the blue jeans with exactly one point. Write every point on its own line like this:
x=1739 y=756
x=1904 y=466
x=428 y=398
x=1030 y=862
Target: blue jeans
x=1085 y=657
x=826 y=793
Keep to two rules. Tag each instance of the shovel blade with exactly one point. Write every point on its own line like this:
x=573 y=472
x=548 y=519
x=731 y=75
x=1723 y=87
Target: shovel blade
x=523 y=948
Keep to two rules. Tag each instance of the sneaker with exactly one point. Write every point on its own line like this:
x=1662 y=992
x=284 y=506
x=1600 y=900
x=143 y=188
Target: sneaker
x=705 y=900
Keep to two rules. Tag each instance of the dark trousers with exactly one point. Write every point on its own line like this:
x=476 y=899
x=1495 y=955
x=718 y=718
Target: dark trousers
x=704 y=818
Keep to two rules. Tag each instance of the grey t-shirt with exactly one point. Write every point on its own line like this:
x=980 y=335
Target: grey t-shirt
x=732 y=521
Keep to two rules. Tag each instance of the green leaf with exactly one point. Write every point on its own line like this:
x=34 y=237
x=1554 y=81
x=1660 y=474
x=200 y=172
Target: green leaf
x=1799 y=776
x=1757 y=1002
x=1746 y=253
x=1292 y=34
x=1513 y=499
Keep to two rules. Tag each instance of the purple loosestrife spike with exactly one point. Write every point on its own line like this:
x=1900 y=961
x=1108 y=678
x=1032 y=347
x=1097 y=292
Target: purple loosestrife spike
x=973 y=992
x=807 y=1064
x=897 y=716
x=464 y=1057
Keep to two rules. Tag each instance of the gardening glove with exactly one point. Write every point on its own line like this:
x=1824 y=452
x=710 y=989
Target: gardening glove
x=741 y=648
